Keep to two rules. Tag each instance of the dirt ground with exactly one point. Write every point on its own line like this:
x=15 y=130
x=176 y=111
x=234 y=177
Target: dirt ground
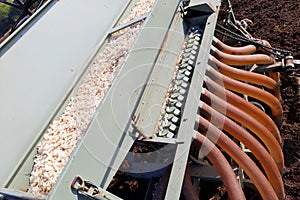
x=278 y=21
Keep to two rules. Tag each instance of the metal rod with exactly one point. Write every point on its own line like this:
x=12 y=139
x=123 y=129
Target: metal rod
x=134 y=21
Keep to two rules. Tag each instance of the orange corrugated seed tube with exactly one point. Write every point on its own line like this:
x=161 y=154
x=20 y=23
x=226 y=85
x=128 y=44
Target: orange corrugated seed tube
x=222 y=166
x=244 y=105
x=235 y=152
x=243 y=75
x=249 y=122
x=257 y=149
x=241 y=60
x=245 y=50
x=187 y=187
x=251 y=91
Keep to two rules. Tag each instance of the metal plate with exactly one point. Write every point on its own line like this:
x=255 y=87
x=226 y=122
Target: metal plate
x=39 y=66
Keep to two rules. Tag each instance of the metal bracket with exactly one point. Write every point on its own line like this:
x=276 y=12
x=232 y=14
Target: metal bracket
x=90 y=190
x=287 y=64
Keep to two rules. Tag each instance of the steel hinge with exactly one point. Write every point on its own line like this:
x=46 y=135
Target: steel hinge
x=90 y=190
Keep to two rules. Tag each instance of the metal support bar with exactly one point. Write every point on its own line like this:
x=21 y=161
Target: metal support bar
x=163 y=140
x=134 y=21
x=19 y=195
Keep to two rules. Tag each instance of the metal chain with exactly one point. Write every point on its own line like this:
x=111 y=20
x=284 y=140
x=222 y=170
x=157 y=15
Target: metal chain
x=272 y=50
x=242 y=40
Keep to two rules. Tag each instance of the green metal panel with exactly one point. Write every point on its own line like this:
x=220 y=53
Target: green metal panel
x=149 y=110
x=111 y=134
x=39 y=66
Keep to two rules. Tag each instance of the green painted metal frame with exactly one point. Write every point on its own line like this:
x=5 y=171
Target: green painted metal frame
x=112 y=132
x=40 y=64
x=189 y=118
x=127 y=111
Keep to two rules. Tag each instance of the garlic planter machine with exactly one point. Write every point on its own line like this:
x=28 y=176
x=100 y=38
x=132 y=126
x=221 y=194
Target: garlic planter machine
x=139 y=99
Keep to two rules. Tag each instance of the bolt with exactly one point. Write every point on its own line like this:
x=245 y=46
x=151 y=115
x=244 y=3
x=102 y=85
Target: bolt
x=180 y=76
x=175 y=119
x=185 y=60
x=193 y=52
x=176 y=112
x=178 y=104
x=174 y=95
x=172 y=127
x=182 y=71
x=184 y=85
x=189 y=46
x=180 y=98
x=187 y=50
x=170 y=109
x=171 y=102
x=187 y=73
x=191 y=40
x=170 y=135
x=186 y=55
x=163 y=133
x=186 y=79
x=183 y=65
x=192 y=57
x=196 y=43
x=169 y=117
x=191 y=62
x=182 y=91
x=189 y=67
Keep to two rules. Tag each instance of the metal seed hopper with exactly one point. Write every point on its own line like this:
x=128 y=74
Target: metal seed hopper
x=91 y=89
